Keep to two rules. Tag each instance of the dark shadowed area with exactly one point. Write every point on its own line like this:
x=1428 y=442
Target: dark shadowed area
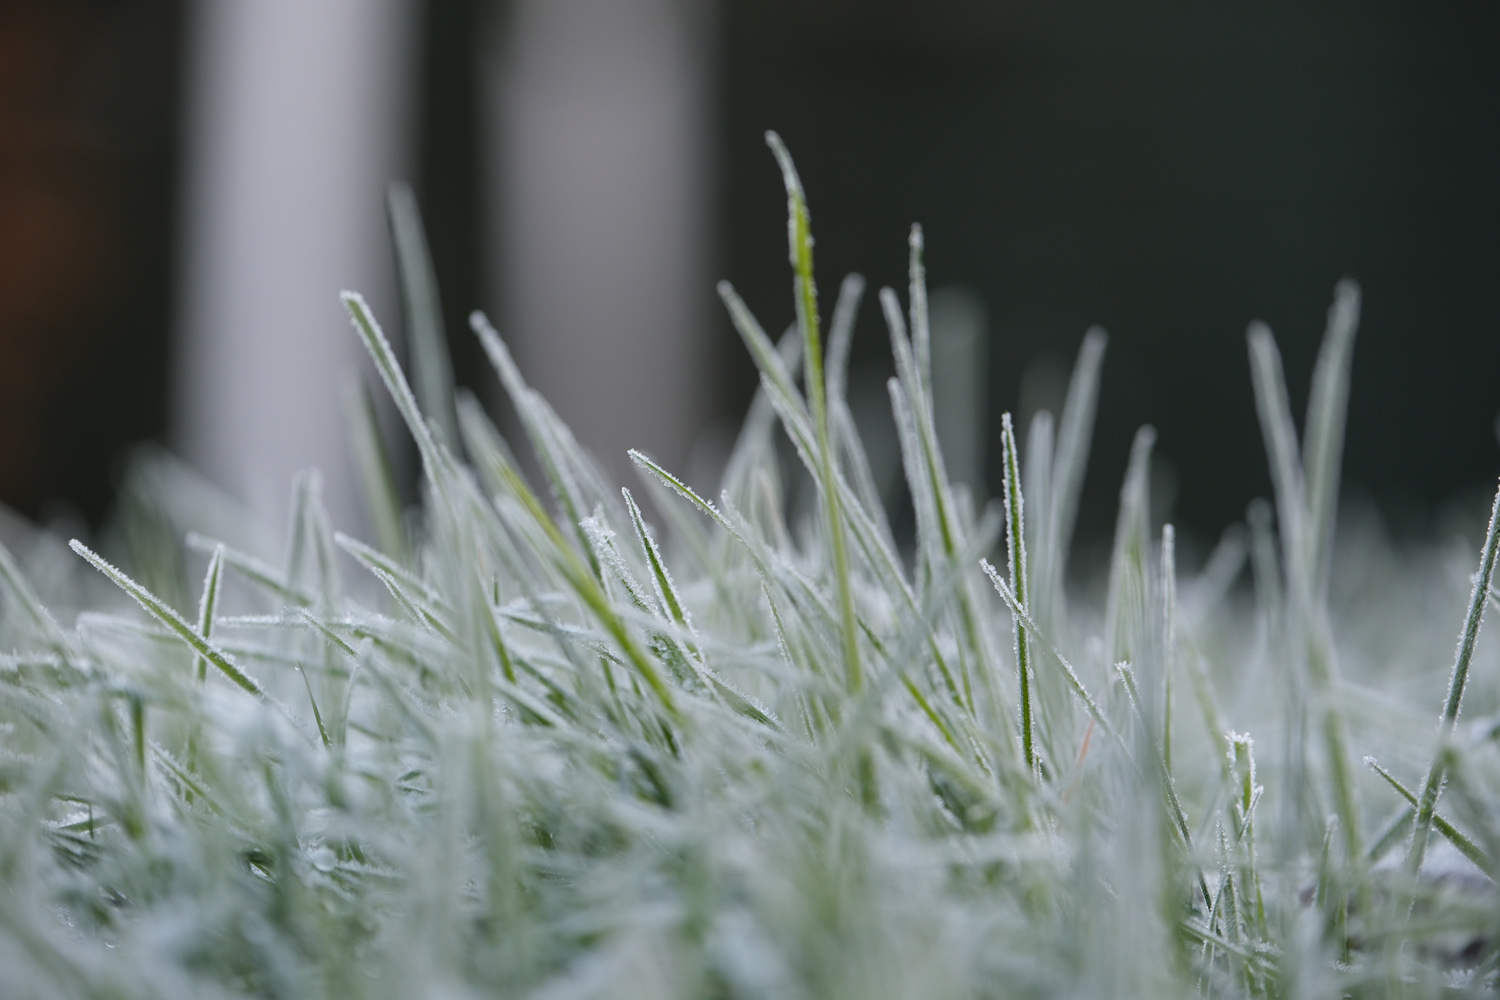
x=87 y=122
x=1169 y=170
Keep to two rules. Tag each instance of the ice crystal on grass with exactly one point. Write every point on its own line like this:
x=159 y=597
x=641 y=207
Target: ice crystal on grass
x=537 y=746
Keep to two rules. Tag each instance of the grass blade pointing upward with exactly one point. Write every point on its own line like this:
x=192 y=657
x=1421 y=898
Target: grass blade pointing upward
x=164 y=614
x=210 y=602
x=799 y=239
x=427 y=345
x=1016 y=544
x=1432 y=785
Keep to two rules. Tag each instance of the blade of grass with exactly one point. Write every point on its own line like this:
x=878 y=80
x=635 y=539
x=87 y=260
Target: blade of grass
x=566 y=470
x=1323 y=435
x=427 y=345
x=799 y=239
x=666 y=590
x=317 y=715
x=1075 y=431
x=209 y=603
x=1036 y=482
x=257 y=572
x=1094 y=710
x=170 y=618
x=1432 y=784
x=1129 y=570
x=1015 y=538
x=1305 y=618
x=586 y=584
x=1168 y=586
x=841 y=335
x=310 y=561
x=1465 y=846
x=1281 y=446
x=1178 y=817
x=390 y=372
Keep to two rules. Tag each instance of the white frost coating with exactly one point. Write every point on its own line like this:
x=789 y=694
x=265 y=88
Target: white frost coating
x=492 y=767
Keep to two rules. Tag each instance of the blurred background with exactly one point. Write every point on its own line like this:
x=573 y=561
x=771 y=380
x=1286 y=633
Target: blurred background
x=185 y=185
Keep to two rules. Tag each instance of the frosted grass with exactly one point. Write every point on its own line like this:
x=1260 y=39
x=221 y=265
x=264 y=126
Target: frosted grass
x=526 y=743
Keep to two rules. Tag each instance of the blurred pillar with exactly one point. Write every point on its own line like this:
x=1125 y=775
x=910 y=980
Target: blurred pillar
x=600 y=166
x=296 y=111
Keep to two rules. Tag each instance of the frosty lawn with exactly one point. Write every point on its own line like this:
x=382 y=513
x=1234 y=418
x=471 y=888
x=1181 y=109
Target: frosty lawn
x=542 y=747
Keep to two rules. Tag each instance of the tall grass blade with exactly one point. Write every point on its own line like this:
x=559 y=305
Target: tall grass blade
x=310 y=562
x=841 y=335
x=1167 y=577
x=376 y=472
x=431 y=367
x=1075 y=431
x=1130 y=571
x=208 y=605
x=1015 y=539
x=1305 y=625
x=799 y=239
x=1281 y=446
x=1323 y=435
x=1468 y=636
x=390 y=373
x=574 y=483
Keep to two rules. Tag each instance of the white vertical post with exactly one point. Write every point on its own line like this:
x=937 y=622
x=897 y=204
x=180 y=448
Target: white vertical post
x=296 y=114
x=602 y=214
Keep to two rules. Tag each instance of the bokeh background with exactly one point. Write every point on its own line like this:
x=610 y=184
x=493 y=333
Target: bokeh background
x=185 y=185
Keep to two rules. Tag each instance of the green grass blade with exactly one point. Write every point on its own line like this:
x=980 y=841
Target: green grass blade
x=310 y=561
x=666 y=590
x=570 y=475
x=1075 y=431
x=1015 y=539
x=209 y=603
x=1129 y=566
x=921 y=329
x=1174 y=804
x=427 y=344
x=372 y=559
x=586 y=584
x=1281 y=447
x=927 y=473
x=171 y=619
x=1095 y=711
x=1036 y=481
x=841 y=336
x=317 y=715
x=391 y=374
x=799 y=237
x=1465 y=846
x=1432 y=785
x=1323 y=435
x=1167 y=578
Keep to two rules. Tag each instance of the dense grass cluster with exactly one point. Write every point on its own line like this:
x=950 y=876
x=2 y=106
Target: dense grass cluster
x=532 y=751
